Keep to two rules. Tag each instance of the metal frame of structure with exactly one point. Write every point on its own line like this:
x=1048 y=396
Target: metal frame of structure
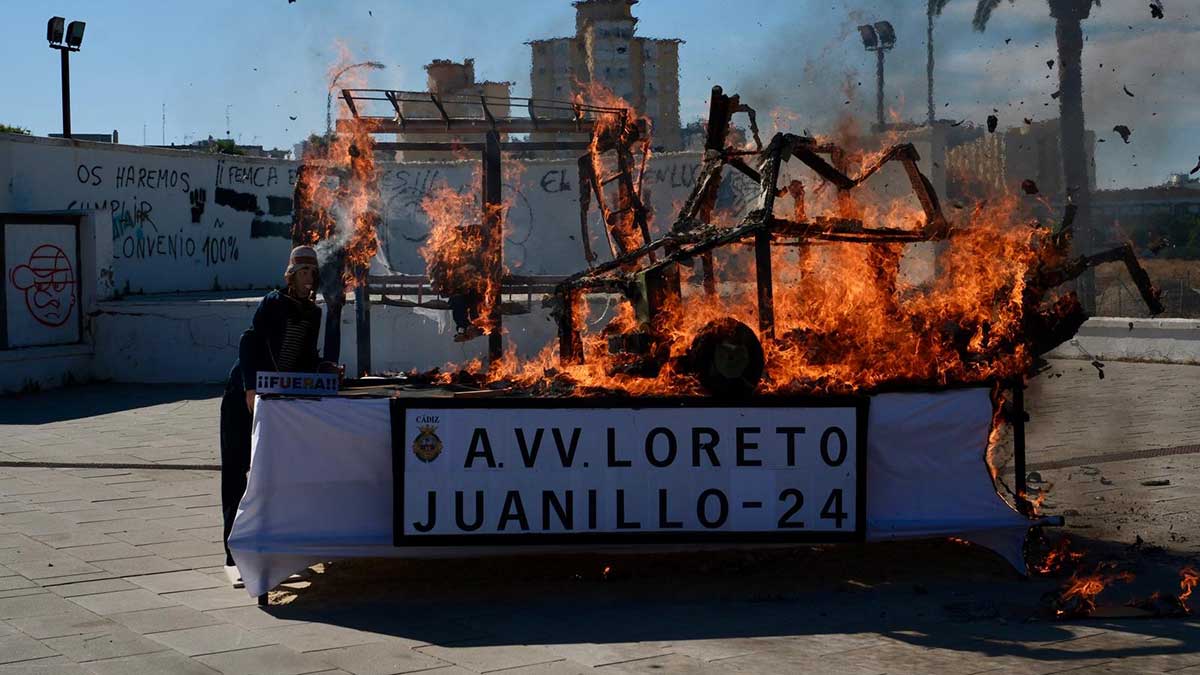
x=692 y=235
x=479 y=117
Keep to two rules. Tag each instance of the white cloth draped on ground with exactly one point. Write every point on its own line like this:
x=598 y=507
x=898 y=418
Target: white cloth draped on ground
x=320 y=485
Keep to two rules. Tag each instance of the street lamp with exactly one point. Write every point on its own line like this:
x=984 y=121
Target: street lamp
x=374 y=65
x=74 y=37
x=879 y=38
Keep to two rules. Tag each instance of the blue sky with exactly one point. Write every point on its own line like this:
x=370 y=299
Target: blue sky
x=267 y=60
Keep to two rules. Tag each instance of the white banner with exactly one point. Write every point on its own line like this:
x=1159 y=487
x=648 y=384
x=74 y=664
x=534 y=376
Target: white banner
x=515 y=469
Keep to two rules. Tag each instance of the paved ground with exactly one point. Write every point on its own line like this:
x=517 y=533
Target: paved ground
x=117 y=570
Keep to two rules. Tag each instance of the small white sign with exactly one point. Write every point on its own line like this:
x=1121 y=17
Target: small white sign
x=297 y=384
x=500 y=473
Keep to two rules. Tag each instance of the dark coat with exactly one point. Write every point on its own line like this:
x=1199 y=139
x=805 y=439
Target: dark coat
x=262 y=342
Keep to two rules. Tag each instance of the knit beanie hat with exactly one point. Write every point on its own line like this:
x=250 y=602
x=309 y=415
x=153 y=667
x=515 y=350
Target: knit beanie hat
x=302 y=257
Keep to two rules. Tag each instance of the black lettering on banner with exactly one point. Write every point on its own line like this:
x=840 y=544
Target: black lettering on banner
x=480 y=439
x=591 y=509
x=513 y=510
x=841 y=453
x=432 y=520
x=708 y=445
x=623 y=524
x=566 y=514
x=529 y=455
x=722 y=508
x=743 y=445
x=791 y=432
x=671 y=447
x=663 y=523
x=460 y=516
x=785 y=520
x=566 y=454
x=833 y=508
x=612 y=451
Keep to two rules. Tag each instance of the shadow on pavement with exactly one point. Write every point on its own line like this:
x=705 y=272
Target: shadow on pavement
x=90 y=400
x=940 y=595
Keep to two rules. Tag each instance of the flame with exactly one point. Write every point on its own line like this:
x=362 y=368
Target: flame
x=1059 y=559
x=1083 y=589
x=462 y=250
x=339 y=202
x=620 y=129
x=845 y=320
x=1188 y=578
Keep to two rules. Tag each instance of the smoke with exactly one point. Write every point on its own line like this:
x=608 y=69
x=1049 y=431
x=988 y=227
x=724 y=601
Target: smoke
x=801 y=95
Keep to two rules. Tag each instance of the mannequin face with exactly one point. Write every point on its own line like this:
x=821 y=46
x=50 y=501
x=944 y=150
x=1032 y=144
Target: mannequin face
x=303 y=282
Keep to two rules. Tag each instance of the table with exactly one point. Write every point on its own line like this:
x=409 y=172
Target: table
x=321 y=485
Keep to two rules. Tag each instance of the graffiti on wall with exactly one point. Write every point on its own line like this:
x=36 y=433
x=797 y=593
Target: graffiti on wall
x=179 y=221
x=48 y=282
x=195 y=221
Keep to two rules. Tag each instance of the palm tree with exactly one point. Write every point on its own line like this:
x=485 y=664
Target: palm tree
x=1068 y=17
x=934 y=8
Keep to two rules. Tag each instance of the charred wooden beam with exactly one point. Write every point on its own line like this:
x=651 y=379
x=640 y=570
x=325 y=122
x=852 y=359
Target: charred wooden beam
x=570 y=342
x=1072 y=269
x=493 y=219
x=586 y=180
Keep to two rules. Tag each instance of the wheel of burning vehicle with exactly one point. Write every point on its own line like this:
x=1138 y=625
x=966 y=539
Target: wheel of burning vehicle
x=727 y=358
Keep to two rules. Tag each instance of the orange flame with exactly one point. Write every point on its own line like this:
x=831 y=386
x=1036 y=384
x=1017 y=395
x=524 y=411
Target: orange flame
x=1188 y=578
x=1083 y=589
x=462 y=252
x=613 y=130
x=339 y=192
x=1059 y=559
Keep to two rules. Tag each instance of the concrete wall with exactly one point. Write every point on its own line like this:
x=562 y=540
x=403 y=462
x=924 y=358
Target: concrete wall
x=542 y=233
x=1132 y=339
x=190 y=339
x=181 y=221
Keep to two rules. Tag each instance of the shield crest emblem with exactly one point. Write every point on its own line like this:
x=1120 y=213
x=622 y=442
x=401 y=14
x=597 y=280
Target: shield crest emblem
x=427 y=446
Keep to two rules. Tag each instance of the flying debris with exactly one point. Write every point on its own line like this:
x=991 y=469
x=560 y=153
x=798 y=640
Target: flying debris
x=1050 y=64
x=1196 y=168
x=992 y=122
x=1127 y=92
x=1156 y=9
x=958 y=123
x=1056 y=94
x=1029 y=187
x=1028 y=120
x=291 y=117
x=1123 y=131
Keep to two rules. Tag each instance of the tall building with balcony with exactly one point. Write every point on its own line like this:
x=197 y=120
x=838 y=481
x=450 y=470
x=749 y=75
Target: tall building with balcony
x=643 y=71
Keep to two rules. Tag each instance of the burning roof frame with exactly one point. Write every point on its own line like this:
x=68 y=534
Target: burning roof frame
x=542 y=115
x=693 y=235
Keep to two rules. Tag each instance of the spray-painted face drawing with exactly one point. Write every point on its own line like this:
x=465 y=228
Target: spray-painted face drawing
x=49 y=285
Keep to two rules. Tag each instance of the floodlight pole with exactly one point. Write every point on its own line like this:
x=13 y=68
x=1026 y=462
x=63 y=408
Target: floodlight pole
x=879 y=86
x=66 y=90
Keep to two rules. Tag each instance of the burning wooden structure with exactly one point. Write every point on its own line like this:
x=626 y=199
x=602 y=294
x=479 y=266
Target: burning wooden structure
x=727 y=356
x=477 y=280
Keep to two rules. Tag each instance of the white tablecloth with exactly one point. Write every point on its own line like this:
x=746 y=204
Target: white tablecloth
x=320 y=485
